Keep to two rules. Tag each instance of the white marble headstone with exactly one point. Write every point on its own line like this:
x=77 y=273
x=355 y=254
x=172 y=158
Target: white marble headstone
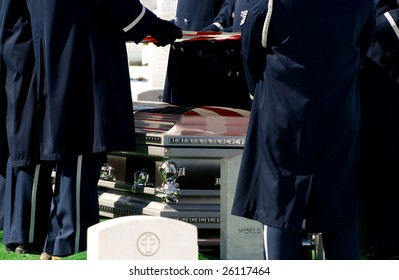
x=142 y=238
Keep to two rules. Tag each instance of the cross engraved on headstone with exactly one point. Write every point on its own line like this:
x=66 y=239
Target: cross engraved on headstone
x=148 y=244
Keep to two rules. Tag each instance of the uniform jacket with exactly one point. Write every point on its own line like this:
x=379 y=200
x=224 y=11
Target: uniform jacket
x=3 y=111
x=225 y=17
x=239 y=14
x=380 y=91
x=229 y=17
x=301 y=150
x=384 y=50
x=82 y=71
x=194 y=15
x=18 y=56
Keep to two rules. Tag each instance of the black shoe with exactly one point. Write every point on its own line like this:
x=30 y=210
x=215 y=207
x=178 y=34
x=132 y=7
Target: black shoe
x=27 y=249
x=45 y=257
x=22 y=248
x=373 y=253
x=11 y=247
x=368 y=253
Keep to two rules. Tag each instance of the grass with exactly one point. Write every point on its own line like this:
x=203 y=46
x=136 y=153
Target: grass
x=4 y=255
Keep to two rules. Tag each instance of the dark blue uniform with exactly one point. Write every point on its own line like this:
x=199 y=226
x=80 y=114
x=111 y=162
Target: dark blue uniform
x=194 y=15
x=224 y=19
x=239 y=14
x=229 y=17
x=2 y=193
x=206 y=73
x=379 y=83
x=302 y=147
x=28 y=186
x=85 y=100
x=3 y=140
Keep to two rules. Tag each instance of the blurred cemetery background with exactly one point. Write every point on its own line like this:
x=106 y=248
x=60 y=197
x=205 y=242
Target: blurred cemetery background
x=147 y=62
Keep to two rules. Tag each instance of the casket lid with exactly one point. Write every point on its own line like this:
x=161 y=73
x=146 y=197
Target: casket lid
x=161 y=123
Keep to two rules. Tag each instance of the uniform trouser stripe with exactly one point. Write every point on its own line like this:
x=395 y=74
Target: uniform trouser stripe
x=265 y=242
x=34 y=204
x=78 y=193
x=282 y=244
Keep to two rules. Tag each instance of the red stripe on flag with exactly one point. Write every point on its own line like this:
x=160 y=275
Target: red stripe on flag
x=215 y=110
x=223 y=111
x=192 y=113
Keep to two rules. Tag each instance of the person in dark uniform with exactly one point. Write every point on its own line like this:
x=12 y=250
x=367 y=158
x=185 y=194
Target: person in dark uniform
x=85 y=101
x=2 y=193
x=203 y=73
x=3 y=140
x=194 y=15
x=224 y=19
x=28 y=183
x=300 y=159
x=379 y=88
x=229 y=17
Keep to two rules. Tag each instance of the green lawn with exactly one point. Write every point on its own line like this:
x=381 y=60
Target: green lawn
x=4 y=255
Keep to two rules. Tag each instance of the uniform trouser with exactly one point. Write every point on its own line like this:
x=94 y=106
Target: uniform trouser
x=379 y=161
x=2 y=190
x=27 y=202
x=287 y=245
x=75 y=204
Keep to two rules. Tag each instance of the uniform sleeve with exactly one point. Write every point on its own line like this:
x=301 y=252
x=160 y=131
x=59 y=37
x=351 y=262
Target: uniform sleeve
x=387 y=28
x=130 y=15
x=225 y=17
x=254 y=54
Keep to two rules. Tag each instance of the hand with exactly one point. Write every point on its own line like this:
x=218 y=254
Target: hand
x=165 y=32
x=211 y=27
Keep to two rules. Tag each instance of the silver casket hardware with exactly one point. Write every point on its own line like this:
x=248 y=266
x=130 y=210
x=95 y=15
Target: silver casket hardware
x=169 y=192
x=142 y=179
x=107 y=172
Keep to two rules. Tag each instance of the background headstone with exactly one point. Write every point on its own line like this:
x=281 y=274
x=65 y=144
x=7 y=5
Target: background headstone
x=148 y=55
x=158 y=58
x=240 y=238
